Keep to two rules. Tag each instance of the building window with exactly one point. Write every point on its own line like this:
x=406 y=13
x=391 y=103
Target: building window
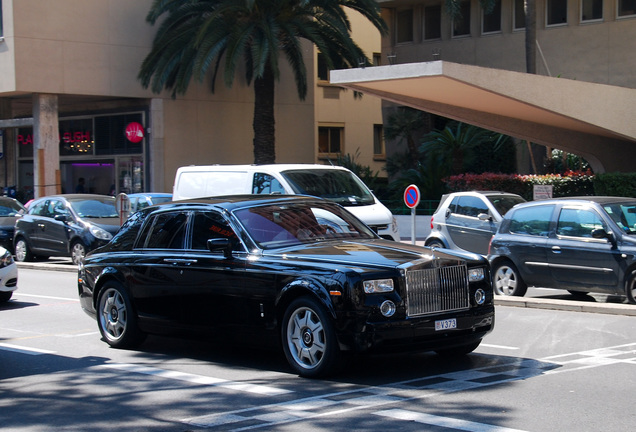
x=323 y=68
x=556 y=12
x=405 y=26
x=591 y=10
x=378 y=141
x=461 y=24
x=519 y=15
x=626 y=8
x=491 y=22
x=330 y=140
x=1 y=30
x=377 y=59
x=433 y=22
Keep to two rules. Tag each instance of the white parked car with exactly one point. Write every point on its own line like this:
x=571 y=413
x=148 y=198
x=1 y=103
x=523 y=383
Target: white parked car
x=334 y=183
x=8 y=275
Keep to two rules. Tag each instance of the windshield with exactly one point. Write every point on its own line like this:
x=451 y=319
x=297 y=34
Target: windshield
x=333 y=184
x=504 y=203
x=624 y=214
x=95 y=207
x=276 y=226
x=9 y=208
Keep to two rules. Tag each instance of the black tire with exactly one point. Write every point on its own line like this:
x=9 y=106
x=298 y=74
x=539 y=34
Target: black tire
x=630 y=289
x=22 y=250
x=309 y=338
x=78 y=252
x=5 y=296
x=436 y=244
x=507 y=281
x=116 y=317
x=457 y=351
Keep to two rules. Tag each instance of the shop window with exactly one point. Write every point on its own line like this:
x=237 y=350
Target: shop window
x=591 y=10
x=110 y=134
x=76 y=137
x=330 y=140
x=433 y=22
x=461 y=24
x=519 y=15
x=404 y=25
x=626 y=8
x=556 y=12
x=378 y=141
x=491 y=21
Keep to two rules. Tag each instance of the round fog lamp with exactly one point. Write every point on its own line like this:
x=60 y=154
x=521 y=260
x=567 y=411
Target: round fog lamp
x=480 y=296
x=387 y=308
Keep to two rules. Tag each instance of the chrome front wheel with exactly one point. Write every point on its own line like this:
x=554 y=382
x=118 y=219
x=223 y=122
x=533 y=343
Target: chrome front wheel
x=78 y=252
x=309 y=339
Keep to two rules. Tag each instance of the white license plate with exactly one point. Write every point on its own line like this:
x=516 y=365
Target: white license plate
x=445 y=324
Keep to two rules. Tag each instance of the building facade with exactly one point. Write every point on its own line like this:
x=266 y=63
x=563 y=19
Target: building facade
x=71 y=106
x=589 y=41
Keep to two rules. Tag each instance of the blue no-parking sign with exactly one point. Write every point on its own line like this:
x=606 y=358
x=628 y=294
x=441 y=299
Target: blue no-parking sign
x=412 y=196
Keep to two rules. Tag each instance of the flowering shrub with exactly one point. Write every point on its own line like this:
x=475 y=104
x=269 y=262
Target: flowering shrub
x=571 y=183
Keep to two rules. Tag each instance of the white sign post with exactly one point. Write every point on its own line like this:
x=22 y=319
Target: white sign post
x=540 y=192
x=123 y=207
x=412 y=199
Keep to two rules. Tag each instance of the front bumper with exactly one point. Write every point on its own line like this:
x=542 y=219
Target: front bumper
x=419 y=334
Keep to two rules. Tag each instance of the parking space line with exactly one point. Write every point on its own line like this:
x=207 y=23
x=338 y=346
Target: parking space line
x=447 y=422
x=198 y=379
x=75 y=300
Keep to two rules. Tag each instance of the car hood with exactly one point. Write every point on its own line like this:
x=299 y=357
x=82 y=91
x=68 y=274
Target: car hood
x=373 y=253
x=109 y=224
x=7 y=222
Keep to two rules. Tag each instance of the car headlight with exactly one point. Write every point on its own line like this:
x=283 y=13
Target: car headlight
x=378 y=286
x=475 y=274
x=100 y=233
x=6 y=259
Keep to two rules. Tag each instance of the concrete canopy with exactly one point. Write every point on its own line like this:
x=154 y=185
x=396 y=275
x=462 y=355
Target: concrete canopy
x=595 y=121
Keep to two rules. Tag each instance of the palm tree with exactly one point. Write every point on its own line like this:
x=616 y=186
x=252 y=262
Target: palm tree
x=200 y=36
x=404 y=123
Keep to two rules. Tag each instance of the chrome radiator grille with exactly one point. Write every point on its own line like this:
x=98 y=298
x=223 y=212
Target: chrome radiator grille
x=437 y=290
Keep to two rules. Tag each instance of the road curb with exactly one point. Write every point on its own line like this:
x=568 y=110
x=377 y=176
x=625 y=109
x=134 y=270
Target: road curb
x=567 y=305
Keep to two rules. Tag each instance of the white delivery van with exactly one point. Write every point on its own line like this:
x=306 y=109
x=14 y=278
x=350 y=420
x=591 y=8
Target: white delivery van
x=334 y=183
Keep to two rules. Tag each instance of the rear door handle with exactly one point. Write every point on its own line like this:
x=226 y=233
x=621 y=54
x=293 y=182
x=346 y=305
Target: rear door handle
x=180 y=261
x=556 y=249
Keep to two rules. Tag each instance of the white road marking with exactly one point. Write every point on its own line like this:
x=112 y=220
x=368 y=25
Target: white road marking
x=19 y=294
x=499 y=347
x=447 y=422
x=198 y=379
x=24 y=350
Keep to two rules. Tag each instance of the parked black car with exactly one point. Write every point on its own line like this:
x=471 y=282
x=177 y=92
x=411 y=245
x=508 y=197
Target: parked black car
x=584 y=244
x=10 y=209
x=298 y=270
x=65 y=225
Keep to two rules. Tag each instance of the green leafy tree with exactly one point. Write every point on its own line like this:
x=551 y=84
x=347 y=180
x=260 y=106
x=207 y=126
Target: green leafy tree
x=404 y=124
x=199 y=38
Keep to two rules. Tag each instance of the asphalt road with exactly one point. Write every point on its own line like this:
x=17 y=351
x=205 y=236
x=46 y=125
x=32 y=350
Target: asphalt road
x=540 y=370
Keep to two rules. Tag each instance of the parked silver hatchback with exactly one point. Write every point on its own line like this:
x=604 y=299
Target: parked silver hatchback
x=466 y=221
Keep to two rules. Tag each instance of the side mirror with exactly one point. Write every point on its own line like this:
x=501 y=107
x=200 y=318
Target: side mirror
x=61 y=218
x=217 y=244
x=484 y=217
x=600 y=233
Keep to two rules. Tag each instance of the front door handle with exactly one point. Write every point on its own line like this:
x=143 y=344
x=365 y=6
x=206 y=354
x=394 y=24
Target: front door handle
x=556 y=249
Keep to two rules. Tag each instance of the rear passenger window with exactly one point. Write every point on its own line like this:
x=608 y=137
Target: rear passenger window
x=533 y=221
x=471 y=206
x=578 y=222
x=165 y=231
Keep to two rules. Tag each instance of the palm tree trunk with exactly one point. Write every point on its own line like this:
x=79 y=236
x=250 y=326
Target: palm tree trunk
x=531 y=36
x=264 y=124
